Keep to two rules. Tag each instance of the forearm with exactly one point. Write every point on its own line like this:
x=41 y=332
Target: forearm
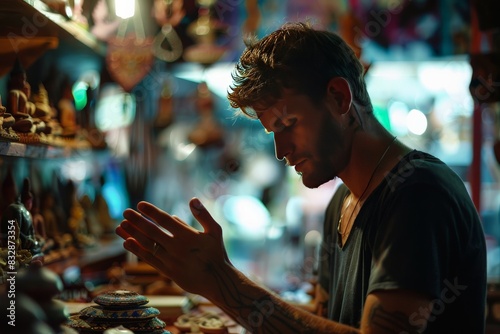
x=198 y=263
x=261 y=311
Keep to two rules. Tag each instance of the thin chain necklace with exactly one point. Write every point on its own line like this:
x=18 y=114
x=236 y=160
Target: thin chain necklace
x=339 y=225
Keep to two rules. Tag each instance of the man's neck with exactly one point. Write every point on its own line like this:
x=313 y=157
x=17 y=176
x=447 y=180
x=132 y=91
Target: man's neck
x=371 y=159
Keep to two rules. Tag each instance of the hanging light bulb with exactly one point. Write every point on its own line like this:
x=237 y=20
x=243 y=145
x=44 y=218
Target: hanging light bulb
x=125 y=8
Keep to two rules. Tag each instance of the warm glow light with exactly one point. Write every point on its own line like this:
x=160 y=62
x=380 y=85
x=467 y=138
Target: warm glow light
x=125 y=8
x=416 y=122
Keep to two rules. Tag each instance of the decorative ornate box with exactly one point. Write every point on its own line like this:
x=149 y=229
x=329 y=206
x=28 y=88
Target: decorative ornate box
x=118 y=308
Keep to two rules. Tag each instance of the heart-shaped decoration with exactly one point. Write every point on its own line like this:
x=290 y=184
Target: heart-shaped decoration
x=129 y=59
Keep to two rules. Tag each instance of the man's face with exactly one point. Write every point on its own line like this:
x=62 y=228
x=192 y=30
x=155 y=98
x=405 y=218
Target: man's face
x=308 y=136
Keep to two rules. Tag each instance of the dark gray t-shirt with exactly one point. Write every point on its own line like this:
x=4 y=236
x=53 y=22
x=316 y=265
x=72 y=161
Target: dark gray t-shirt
x=418 y=230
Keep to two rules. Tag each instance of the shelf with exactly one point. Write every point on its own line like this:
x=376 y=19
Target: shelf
x=29 y=151
x=28 y=51
x=28 y=30
x=69 y=29
x=14 y=149
x=93 y=259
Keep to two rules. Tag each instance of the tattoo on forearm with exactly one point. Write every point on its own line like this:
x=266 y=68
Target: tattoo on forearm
x=391 y=322
x=258 y=315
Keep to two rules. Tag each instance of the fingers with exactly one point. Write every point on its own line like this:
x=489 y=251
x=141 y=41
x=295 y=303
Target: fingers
x=141 y=228
x=152 y=224
x=209 y=224
x=133 y=246
x=204 y=218
x=122 y=233
x=173 y=224
x=126 y=230
x=143 y=246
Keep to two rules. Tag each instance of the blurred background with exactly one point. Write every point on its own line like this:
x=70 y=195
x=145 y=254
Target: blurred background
x=148 y=82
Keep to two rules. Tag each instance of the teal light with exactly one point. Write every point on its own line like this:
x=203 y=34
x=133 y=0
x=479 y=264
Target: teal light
x=382 y=115
x=80 y=94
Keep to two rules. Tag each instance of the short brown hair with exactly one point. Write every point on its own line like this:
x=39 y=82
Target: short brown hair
x=296 y=57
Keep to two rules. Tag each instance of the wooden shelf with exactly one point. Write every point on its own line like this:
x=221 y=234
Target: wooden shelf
x=14 y=149
x=93 y=259
x=27 y=51
x=28 y=30
x=69 y=29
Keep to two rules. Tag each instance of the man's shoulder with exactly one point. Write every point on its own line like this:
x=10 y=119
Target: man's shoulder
x=421 y=169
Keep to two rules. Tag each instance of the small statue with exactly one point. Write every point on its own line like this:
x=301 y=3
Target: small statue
x=46 y=243
x=101 y=208
x=67 y=113
x=6 y=123
x=19 y=213
x=19 y=93
x=76 y=220
x=92 y=223
x=48 y=114
x=23 y=257
x=9 y=192
x=20 y=106
x=41 y=101
x=52 y=223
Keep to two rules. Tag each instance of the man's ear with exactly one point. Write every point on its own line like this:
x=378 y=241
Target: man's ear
x=339 y=90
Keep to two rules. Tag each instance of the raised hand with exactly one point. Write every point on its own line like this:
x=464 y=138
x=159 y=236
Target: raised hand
x=189 y=257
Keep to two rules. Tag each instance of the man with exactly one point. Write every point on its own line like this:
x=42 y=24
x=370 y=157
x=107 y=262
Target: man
x=403 y=249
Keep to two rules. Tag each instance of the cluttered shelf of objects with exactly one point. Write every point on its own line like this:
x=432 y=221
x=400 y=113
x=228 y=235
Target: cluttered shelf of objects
x=135 y=293
x=31 y=127
x=101 y=254
x=150 y=313
x=117 y=306
x=136 y=299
